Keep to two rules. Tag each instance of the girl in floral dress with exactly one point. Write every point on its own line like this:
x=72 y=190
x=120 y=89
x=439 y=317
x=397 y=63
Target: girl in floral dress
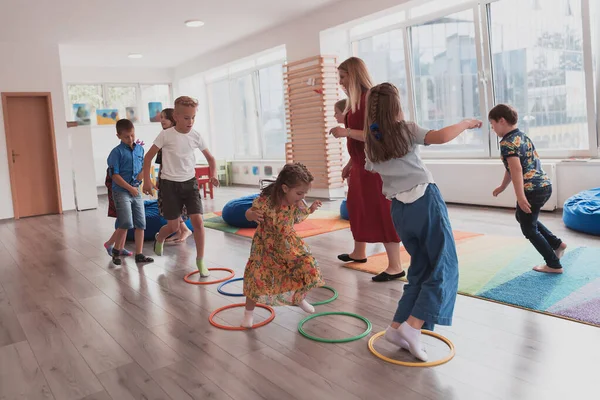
x=281 y=270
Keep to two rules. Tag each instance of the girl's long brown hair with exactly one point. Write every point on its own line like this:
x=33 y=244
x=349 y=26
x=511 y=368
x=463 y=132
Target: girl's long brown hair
x=387 y=134
x=169 y=115
x=359 y=81
x=292 y=175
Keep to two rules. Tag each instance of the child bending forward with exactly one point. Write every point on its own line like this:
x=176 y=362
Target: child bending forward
x=281 y=270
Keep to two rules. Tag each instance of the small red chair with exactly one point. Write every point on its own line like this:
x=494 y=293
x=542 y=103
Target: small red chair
x=203 y=177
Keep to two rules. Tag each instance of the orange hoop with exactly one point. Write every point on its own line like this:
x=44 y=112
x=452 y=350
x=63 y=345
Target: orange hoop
x=240 y=328
x=186 y=278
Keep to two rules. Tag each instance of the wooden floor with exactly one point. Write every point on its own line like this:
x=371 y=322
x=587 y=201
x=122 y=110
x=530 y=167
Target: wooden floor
x=73 y=326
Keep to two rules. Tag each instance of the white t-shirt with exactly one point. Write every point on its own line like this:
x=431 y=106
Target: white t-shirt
x=178 y=158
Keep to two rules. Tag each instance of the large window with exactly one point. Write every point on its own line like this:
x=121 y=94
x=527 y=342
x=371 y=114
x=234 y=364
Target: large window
x=245 y=117
x=384 y=56
x=465 y=56
x=248 y=108
x=121 y=98
x=131 y=100
x=537 y=58
x=272 y=111
x=445 y=76
x=220 y=116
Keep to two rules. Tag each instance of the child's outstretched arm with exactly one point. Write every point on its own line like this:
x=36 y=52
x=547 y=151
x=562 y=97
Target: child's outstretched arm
x=448 y=133
x=212 y=164
x=147 y=189
x=516 y=174
x=503 y=185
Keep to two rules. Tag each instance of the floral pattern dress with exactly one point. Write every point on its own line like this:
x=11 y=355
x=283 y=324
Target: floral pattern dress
x=281 y=270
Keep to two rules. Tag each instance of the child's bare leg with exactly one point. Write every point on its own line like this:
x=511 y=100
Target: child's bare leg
x=165 y=232
x=108 y=245
x=184 y=232
x=124 y=251
x=139 y=247
x=118 y=248
x=248 y=320
x=121 y=235
x=139 y=241
x=199 y=239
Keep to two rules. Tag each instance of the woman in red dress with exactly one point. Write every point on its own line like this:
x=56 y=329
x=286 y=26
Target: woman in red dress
x=369 y=210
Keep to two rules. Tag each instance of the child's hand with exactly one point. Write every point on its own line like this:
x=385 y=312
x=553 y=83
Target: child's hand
x=134 y=191
x=215 y=181
x=524 y=204
x=498 y=190
x=256 y=216
x=472 y=123
x=315 y=206
x=147 y=188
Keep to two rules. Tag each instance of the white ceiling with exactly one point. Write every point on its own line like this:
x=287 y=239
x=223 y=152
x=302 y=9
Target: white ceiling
x=102 y=33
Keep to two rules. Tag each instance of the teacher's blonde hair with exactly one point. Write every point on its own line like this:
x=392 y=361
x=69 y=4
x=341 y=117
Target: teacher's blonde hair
x=359 y=81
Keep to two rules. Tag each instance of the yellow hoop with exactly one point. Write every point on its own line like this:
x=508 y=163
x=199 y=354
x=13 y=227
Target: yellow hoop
x=414 y=364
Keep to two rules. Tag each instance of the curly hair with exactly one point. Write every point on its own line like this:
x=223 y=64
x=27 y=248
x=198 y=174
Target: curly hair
x=387 y=134
x=292 y=175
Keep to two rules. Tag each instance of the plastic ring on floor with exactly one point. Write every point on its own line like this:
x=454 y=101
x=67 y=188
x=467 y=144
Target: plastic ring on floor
x=344 y=340
x=240 y=328
x=335 y=296
x=220 y=290
x=414 y=364
x=187 y=277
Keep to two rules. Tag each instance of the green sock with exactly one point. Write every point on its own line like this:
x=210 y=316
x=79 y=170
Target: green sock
x=158 y=246
x=202 y=268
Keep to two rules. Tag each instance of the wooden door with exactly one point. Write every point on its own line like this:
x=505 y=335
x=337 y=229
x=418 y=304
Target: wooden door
x=32 y=161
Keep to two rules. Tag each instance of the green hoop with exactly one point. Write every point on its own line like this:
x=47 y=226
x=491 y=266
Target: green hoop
x=344 y=340
x=335 y=296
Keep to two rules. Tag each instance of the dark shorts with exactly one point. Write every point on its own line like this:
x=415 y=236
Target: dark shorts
x=177 y=195
x=184 y=213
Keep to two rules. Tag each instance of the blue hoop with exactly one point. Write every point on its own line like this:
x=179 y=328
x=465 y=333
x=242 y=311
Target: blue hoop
x=227 y=293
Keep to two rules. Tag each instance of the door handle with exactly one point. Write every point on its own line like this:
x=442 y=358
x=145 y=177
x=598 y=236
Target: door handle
x=14 y=155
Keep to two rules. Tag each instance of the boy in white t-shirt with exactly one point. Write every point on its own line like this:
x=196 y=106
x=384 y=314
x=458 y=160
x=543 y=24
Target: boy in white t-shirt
x=178 y=184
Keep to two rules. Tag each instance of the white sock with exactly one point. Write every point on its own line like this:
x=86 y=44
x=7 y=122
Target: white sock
x=304 y=305
x=248 y=320
x=413 y=338
x=393 y=336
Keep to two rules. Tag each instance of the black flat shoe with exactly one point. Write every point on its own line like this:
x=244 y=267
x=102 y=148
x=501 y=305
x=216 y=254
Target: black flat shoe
x=385 y=277
x=347 y=258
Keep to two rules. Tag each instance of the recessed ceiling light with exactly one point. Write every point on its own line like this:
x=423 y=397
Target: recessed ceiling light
x=135 y=55
x=194 y=23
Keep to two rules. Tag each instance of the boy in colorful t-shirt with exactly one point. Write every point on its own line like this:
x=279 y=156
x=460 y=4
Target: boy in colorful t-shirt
x=532 y=186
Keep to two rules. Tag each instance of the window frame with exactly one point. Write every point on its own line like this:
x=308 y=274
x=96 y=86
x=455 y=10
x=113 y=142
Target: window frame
x=144 y=119
x=482 y=21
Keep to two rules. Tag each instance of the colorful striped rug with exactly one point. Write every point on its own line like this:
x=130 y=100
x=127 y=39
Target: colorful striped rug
x=319 y=222
x=499 y=268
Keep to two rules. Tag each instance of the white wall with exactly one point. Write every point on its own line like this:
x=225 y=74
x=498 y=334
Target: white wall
x=301 y=37
x=573 y=177
x=116 y=75
x=35 y=68
x=104 y=139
